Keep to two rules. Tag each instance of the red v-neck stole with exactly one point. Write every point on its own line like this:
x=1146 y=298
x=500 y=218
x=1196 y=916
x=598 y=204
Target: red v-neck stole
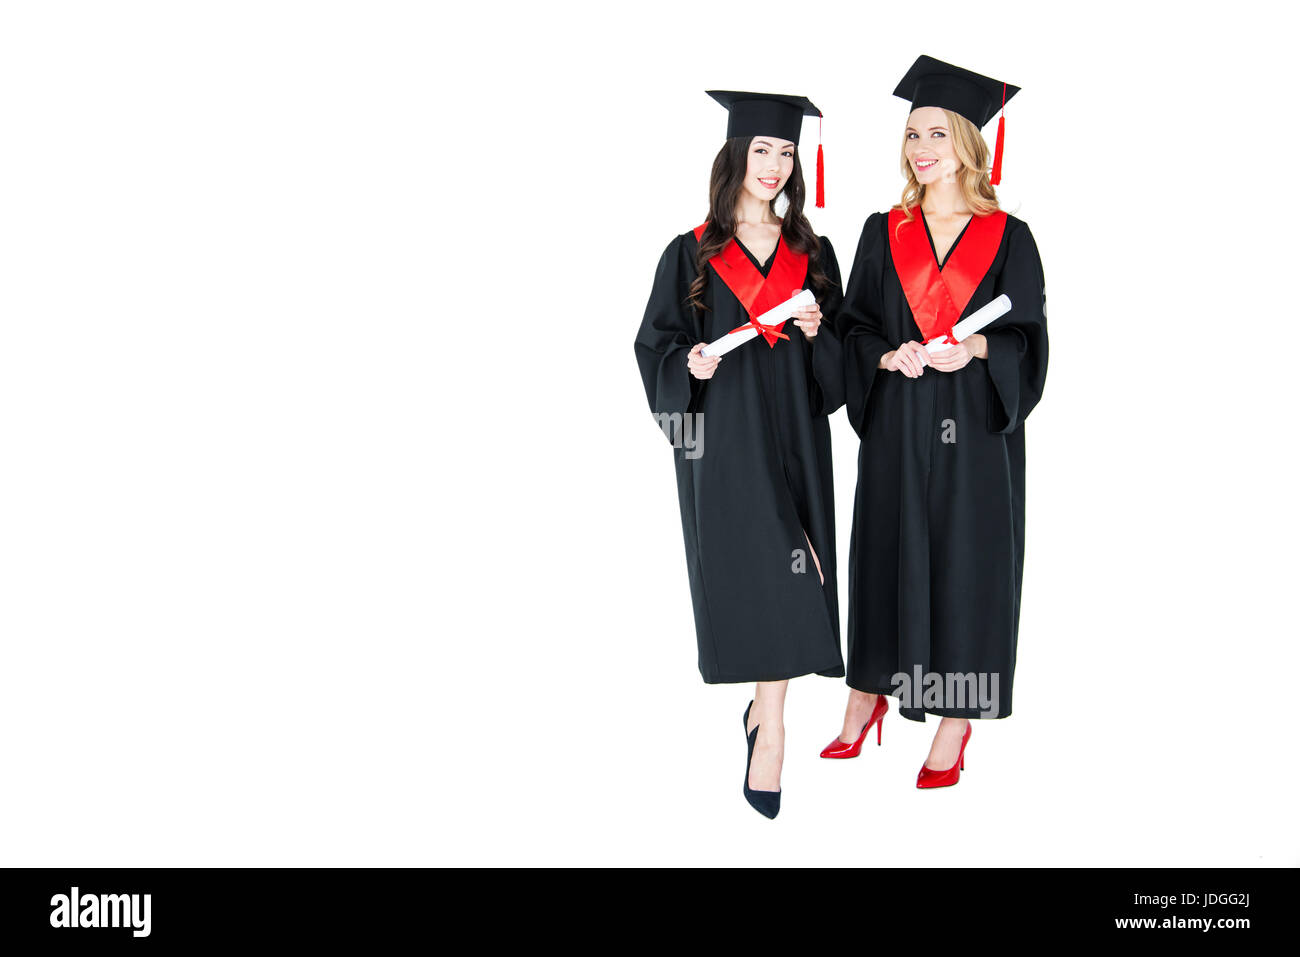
x=756 y=292
x=939 y=297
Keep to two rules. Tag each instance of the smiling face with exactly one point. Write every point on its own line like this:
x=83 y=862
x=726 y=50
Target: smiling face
x=928 y=146
x=771 y=160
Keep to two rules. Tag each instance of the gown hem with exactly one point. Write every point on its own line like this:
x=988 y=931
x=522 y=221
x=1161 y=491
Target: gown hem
x=834 y=671
x=919 y=714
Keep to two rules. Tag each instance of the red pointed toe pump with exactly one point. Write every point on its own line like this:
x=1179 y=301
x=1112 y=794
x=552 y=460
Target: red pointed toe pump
x=929 y=778
x=839 y=749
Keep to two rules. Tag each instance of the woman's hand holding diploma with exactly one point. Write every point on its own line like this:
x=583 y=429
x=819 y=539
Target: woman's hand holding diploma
x=973 y=346
x=702 y=367
x=909 y=358
x=809 y=318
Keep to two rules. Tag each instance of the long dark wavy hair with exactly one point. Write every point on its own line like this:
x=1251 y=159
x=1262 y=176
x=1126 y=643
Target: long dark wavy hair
x=725 y=183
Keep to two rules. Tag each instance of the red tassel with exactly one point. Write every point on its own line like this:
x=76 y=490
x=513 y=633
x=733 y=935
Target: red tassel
x=821 y=169
x=996 y=176
x=821 y=179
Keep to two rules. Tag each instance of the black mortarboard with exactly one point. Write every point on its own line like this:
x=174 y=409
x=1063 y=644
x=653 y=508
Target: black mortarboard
x=770 y=114
x=932 y=82
x=759 y=114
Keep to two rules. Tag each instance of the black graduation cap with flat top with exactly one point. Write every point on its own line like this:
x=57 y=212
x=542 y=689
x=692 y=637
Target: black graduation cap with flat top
x=932 y=82
x=764 y=114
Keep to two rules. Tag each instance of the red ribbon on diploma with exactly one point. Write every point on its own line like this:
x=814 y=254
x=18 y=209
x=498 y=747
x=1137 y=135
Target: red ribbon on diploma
x=766 y=331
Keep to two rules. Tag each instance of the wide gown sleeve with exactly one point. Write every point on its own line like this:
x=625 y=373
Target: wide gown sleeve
x=668 y=331
x=826 y=350
x=1017 y=342
x=860 y=323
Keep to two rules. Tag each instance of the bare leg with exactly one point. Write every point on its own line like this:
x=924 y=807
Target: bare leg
x=768 y=715
x=947 y=744
x=856 y=714
x=816 y=561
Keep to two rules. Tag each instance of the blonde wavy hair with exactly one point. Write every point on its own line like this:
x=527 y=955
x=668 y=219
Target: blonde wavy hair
x=973 y=177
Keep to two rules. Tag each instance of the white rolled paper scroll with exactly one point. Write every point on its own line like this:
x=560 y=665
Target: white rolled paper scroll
x=781 y=313
x=976 y=321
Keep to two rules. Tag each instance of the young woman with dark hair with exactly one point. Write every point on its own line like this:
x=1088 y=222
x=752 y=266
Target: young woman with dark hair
x=754 y=487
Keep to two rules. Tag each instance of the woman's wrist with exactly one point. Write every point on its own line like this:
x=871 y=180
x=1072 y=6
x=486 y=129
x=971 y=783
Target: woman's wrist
x=884 y=360
x=978 y=345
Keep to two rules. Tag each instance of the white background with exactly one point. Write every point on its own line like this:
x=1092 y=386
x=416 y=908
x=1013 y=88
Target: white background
x=334 y=528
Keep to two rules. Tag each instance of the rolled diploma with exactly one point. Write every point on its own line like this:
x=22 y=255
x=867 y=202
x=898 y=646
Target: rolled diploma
x=976 y=321
x=774 y=315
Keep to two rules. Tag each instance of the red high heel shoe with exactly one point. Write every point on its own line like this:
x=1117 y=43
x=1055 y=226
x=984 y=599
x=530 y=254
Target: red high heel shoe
x=929 y=778
x=838 y=749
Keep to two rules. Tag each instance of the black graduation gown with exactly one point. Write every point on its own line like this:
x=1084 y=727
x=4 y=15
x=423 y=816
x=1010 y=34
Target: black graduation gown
x=762 y=477
x=937 y=550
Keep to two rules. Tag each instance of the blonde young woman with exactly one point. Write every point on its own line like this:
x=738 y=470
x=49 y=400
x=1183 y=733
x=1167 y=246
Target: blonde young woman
x=938 y=528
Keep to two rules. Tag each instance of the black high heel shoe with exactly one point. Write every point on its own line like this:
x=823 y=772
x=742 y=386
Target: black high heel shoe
x=766 y=803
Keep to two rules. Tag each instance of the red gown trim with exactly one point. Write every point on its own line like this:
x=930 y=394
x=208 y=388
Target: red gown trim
x=939 y=297
x=757 y=293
